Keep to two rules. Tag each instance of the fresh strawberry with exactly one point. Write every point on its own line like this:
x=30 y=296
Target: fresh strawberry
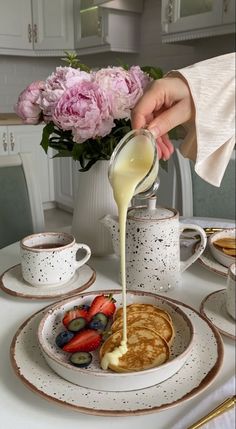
x=74 y=313
x=84 y=341
x=102 y=304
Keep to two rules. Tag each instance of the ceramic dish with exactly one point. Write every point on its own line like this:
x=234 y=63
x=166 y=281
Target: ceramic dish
x=197 y=374
x=208 y=261
x=213 y=307
x=217 y=253
x=93 y=376
x=13 y=283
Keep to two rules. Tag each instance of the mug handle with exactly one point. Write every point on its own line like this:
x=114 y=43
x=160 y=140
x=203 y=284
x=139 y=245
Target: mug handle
x=198 y=249
x=82 y=261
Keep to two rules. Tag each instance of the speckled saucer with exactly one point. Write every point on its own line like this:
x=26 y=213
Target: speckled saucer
x=209 y=262
x=197 y=373
x=13 y=283
x=213 y=307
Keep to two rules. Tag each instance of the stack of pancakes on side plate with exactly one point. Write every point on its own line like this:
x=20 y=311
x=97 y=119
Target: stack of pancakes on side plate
x=150 y=333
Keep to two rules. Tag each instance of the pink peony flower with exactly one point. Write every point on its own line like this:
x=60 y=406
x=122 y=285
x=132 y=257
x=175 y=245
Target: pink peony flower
x=28 y=104
x=55 y=86
x=124 y=88
x=84 y=109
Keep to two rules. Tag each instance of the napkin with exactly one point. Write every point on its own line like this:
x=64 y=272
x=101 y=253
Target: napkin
x=207 y=404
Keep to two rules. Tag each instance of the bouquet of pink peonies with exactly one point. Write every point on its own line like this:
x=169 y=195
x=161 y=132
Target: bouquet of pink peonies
x=86 y=112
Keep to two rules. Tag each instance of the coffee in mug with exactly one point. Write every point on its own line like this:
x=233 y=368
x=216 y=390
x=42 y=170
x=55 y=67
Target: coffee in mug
x=49 y=258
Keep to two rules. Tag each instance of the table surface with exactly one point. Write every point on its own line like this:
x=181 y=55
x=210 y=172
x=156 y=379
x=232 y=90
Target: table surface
x=21 y=408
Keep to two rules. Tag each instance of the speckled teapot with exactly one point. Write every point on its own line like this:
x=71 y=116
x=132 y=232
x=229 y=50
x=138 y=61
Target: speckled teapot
x=153 y=247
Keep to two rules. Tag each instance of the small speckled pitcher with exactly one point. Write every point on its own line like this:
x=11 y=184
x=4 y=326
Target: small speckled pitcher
x=49 y=258
x=153 y=247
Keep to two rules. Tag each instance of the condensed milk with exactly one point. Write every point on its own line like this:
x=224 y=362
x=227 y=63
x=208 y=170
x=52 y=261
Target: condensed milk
x=133 y=169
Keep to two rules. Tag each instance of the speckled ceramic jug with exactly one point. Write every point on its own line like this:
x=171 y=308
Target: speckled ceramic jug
x=153 y=247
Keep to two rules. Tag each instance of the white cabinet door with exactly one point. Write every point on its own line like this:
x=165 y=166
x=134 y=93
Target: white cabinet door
x=15 y=22
x=185 y=15
x=53 y=24
x=63 y=179
x=27 y=139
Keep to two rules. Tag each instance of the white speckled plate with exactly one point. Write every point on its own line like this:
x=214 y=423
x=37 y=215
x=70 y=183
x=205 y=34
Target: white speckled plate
x=209 y=262
x=13 y=283
x=197 y=373
x=213 y=307
x=93 y=377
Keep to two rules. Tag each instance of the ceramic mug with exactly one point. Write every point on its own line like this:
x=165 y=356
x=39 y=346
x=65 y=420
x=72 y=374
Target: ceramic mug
x=49 y=258
x=230 y=291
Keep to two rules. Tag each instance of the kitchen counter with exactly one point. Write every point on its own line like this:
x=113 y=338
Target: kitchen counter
x=10 y=119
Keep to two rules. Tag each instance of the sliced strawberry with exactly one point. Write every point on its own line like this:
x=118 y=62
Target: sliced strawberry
x=74 y=313
x=102 y=304
x=84 y=341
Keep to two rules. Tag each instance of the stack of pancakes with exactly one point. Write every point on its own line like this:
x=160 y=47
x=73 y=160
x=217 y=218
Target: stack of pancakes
x=150 y=333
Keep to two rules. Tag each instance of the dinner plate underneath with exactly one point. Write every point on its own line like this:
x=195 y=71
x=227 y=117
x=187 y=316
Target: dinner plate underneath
x=197 y=373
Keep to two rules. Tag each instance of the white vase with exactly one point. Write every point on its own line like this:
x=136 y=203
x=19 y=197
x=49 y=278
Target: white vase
x=93 y=201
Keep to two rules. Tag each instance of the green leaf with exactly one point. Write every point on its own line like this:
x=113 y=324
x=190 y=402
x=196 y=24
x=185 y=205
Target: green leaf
x=88 y=165
x=153 y=72
x=164 y=165
x=73 y=61
x=47 y=131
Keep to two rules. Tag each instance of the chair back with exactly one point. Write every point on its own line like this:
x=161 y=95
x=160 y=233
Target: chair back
x=21 y=209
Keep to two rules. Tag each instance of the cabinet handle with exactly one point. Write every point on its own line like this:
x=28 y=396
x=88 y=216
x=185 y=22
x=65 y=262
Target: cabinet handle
x=4 y=141
x=35 y=33
x=226 y=5
x=99 y=24
x=170 y=11
x=29 y=33
x=12 y=141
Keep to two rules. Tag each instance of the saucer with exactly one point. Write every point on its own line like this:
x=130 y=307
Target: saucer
x=209 y=262
x=13 y=283
x=196 y=374
x=214 y=309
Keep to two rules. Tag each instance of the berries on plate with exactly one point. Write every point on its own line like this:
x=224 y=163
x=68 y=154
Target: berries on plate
x=77 y=324
x=63 y=338
x=102 y=304
x=81 y=359
x=74 y=313
x=99 y=322
x=85 y=341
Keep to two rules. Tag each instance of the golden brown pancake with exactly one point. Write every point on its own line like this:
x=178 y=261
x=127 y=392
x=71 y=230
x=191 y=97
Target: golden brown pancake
x=146 y=349
x=150 y=320
x=144 y=308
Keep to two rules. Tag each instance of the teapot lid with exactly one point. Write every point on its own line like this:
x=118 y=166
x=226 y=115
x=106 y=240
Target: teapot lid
x=151 y=211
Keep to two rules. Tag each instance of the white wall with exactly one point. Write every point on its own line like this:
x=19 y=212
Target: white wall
x=17 y=72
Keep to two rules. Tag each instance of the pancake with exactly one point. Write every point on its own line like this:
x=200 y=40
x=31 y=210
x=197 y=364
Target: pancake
x=143 y=308
x=146 y=349
x=150 y=320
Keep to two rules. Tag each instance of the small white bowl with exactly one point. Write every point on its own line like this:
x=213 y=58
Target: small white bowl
x=219 y=255
x=93 y=377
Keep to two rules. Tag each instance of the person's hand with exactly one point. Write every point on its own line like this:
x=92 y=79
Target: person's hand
x=166 y=103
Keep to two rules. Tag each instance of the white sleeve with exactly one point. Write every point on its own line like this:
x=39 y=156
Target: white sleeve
x=210 y=141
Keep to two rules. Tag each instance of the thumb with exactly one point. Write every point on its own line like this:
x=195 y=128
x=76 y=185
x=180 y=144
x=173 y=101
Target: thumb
x=170 y=118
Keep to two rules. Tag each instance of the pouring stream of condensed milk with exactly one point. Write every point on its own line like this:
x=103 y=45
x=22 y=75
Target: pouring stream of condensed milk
x=133 y=169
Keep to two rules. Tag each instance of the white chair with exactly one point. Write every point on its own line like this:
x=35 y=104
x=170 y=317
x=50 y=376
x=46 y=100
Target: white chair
x=184 y=190
x=21 y=209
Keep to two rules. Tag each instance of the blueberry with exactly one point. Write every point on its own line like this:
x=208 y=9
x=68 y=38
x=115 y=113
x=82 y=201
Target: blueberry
x=99 y=322
x=77 y=324
x=84 y=307
x=63 y=338
x=81 y=359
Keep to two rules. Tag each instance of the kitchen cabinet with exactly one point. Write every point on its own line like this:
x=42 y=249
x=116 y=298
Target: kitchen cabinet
x=190 y=19
x=108 y=26
x=26 y=138
x=36 y=27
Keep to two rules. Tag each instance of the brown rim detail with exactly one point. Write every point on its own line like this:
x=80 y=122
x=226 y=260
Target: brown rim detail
x=90 y=281
x=174 y=211
x=202 y=386
x=66 y=246
x=202 y=311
